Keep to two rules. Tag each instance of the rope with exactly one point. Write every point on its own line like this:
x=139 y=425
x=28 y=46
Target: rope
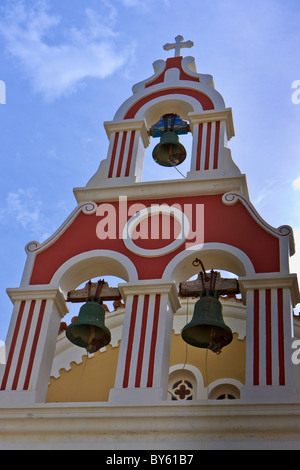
x=79 y=380
x=174 y=166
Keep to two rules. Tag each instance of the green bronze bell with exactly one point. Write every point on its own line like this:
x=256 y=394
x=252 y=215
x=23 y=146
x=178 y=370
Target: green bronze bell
x=169 y=152
x=207 y=328
x=88 y=330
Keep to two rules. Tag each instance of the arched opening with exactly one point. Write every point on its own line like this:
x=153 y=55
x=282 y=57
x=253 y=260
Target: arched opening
x=217 y=256
x=153 y=112
x=76 y=375
x=231 y=363
x=154 y=172
x=93 y=264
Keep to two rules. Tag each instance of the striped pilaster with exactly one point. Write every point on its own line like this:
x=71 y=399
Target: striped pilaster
x=126 y=141
x=210 y=131
x=269 y=333
x=31 y=340
x=145 y=345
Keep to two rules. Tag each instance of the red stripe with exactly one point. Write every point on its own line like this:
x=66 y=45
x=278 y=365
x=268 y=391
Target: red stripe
x=256 y=338
x=142 y=342
x=34 y=345
x=113 y=155
x=172 y=62
x=23 y=345
x=130 y=341
x=121 y=154
x=216 y=150
x=280 y=337
x=207 y=150
x=268 y=338
x=129 y=158
x=153 y=340
x=203 y=99
x=13 y=345
x=199 y=145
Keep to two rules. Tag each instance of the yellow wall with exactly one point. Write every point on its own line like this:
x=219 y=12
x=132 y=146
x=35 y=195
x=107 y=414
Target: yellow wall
x=93 y=378
x=89 y=381
x=230 y=363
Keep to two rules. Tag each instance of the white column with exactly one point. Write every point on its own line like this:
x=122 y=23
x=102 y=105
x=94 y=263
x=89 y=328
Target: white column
x=269 y=338
x=142 y=372
x=128 y=140
x=30 y=344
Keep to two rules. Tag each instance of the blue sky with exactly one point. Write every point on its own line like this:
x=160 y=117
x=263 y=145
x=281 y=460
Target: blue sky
x=68 y=65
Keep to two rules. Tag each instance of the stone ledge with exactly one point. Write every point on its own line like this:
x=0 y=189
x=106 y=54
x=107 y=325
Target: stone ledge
x=167 y=425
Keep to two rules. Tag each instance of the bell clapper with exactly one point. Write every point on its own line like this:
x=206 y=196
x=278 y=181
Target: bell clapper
x=90 y=347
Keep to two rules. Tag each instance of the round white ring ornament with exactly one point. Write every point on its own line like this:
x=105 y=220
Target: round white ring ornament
x=145 y=213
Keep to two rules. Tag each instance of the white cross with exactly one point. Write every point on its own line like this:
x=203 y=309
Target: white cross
x=178 y=45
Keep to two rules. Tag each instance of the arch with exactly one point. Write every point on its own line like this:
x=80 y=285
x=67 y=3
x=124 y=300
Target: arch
x=204 y=101
x=182 y=105
x=92 y=264
x=224 y=386
x=178 y=371
x=213 y=255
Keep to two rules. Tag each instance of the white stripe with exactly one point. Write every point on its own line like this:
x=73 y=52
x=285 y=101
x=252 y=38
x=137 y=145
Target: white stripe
x=18 y=346
x=287 y=332
x=148 y=338
x=163 y=343
x=203 y=147
x=124 y=343
x=262 y=337
x=136 y=341
x=28 y=346
x=126 y=150
x=274 y=339
x=109 y=152
x=249 y=336
x=116 y=163
x=212 y=145
x=195 y=147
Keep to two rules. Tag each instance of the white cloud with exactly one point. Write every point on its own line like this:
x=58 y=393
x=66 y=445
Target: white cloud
x=56 y=69
x=296 y=183
x=24 y=208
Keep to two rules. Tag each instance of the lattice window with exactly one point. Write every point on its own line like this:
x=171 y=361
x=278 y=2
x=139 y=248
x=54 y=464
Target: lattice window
x=182 y=390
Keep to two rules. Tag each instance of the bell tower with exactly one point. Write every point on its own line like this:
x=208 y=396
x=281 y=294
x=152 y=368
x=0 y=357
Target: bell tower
x=149 y=234
x=175 y=89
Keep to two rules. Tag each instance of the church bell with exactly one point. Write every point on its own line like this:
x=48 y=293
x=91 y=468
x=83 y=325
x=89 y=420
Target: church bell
x=169 y=151
x=88 y=330
x=207 y=328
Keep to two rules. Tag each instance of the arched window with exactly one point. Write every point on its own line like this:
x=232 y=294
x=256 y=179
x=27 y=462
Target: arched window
x=224 y=391
x=185 y=383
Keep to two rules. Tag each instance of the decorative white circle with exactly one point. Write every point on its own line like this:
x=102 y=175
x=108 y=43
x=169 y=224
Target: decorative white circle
x=145 y=213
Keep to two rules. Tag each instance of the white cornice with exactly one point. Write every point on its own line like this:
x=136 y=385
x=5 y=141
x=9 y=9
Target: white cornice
x=272 y=280
x=161 y=189
x=41 y=293
x=153 y=286
x=126 y=126
x=222 y=115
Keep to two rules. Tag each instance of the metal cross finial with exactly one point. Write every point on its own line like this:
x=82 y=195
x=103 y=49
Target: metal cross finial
x=178 y=45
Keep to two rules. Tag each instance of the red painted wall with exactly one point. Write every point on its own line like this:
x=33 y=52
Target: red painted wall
x=232 y=225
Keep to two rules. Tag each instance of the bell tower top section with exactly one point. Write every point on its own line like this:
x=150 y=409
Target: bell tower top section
x=175 y=89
